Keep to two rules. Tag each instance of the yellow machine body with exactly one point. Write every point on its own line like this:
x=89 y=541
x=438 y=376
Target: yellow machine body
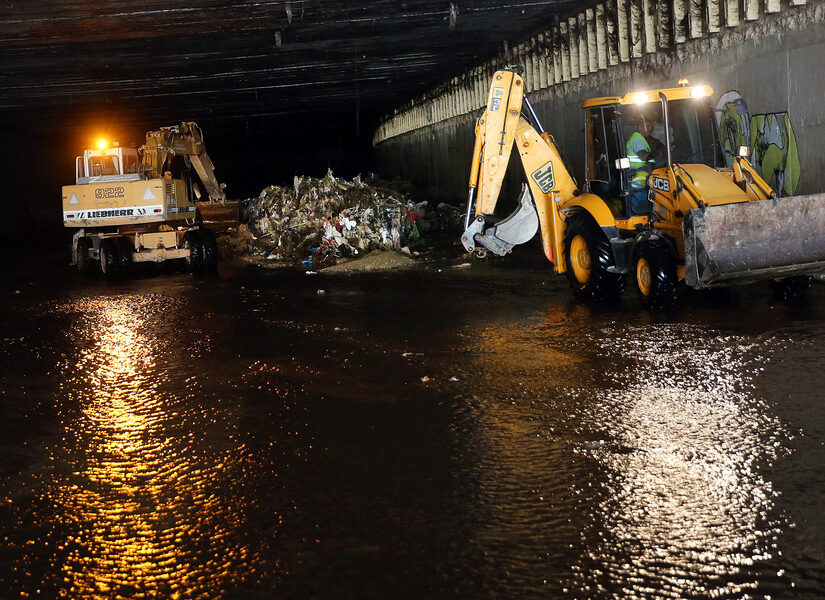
x=151 y=203
x=126 y=203
x=664 y=211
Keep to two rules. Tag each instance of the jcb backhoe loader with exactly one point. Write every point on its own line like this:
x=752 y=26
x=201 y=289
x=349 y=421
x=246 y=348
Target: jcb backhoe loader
x=658 y=202
x=146 y=204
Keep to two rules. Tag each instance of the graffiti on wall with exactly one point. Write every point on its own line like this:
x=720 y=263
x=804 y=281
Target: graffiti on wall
x=769 y=136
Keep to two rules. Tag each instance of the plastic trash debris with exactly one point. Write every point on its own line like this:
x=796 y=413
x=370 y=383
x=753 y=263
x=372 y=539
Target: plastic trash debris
x=453 y=378
x=321 y=220
x=425 y=379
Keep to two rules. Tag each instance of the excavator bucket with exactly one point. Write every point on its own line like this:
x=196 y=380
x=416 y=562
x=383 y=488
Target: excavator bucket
x=750 y=241
x=218 y=215
x=501 y=238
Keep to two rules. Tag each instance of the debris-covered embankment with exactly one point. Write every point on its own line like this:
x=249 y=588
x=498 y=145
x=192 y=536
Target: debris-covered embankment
x=317 y=222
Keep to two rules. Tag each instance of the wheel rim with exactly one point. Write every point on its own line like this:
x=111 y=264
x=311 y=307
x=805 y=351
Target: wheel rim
x=102 y=255
x=643 y=276
x=580 y=258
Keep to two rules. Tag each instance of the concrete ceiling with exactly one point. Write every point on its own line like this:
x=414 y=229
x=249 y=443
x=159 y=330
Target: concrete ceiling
x=229 y=64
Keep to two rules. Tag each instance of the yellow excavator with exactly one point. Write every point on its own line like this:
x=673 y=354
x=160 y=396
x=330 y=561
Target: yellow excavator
x=659 y=201
x=147 y=204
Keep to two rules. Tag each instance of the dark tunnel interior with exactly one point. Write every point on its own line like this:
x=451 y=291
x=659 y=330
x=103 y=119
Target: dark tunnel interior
x=278 y=88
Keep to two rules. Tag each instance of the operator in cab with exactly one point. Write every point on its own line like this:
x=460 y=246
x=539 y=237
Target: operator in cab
x=640 y=156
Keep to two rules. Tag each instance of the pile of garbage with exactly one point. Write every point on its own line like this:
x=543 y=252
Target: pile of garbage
x=321 y=220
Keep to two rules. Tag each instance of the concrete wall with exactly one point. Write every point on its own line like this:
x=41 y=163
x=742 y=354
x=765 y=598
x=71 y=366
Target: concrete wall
x=776 y=61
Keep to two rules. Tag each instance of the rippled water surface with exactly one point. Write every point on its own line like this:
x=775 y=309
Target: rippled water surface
x=246 y=436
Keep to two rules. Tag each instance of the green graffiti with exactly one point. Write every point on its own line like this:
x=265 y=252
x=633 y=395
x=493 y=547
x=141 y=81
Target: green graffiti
x=734 y=128
x=770 y=137
x=774 y=150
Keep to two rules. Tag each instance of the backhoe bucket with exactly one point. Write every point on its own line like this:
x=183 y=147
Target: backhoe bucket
x=502 y=237
x=750 y=241
x=218 y=214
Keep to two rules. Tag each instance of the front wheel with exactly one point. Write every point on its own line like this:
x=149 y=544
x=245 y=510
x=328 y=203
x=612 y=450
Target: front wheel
x=588 y=257
x=792 y=288
x=656 y=279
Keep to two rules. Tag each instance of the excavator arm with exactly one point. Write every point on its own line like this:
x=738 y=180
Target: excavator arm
x=549 y=186
x=186 y=139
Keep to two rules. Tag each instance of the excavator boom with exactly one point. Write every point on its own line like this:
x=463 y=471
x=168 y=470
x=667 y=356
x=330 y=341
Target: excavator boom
x=186 y=139
x=548 y=181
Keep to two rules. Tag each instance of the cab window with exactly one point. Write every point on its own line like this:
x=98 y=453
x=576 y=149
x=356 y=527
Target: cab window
x=102 y=165
x=597 y=159
x=130 y=163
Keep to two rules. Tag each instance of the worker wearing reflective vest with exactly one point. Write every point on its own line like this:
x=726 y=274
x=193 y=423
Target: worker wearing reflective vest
x=638 y=151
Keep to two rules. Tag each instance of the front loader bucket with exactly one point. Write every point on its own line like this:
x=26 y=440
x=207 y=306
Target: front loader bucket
x=218 y=214
x=750 y=241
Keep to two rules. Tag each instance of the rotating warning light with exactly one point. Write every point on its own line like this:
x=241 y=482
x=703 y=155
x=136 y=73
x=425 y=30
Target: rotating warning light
x=102 y=144
x=683 y=82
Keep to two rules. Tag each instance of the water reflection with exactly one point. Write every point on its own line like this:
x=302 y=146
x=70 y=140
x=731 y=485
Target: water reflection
x=143 y=512
x=685 y=510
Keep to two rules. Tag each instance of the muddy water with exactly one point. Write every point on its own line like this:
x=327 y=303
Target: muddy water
x=244 y=436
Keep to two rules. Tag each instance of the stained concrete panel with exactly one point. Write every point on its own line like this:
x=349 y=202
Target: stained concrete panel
x=775 y=72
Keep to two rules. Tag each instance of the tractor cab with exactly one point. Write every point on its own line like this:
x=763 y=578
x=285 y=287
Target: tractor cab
x=105 y=163
x=631 y=140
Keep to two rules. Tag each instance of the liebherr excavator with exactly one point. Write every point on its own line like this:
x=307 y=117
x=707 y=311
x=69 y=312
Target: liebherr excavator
x=658 y=203
x=146 y=204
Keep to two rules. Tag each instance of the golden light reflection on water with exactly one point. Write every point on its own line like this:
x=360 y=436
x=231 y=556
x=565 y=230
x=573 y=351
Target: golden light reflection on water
x=685 y=509
x=657 y=432
x=144 y=517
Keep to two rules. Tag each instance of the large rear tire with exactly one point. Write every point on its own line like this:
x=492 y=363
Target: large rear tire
x=81 y=256
x=124 y=254
x=588 y=255
x=109 y=255
x=210 y=250
x=656 y=280
x=791 y=288
x=192 y=240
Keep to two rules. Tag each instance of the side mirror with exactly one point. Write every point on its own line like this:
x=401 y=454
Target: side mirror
x=622 y=163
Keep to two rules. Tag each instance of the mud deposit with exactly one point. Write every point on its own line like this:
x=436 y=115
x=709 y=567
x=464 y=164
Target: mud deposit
x=462 y=433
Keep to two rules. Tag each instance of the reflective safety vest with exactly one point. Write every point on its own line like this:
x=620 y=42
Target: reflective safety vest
x=636 y=144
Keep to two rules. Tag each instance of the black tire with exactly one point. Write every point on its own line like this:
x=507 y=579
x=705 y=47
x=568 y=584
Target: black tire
x=109 y=255
x=125 y=253
x=210 y=250
x=654 y=270
x=192 y=241
x=587 y=269
x=81 y=256
x=792 y=288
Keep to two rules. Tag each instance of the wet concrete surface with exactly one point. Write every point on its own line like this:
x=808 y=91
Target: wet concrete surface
x=243 y=436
